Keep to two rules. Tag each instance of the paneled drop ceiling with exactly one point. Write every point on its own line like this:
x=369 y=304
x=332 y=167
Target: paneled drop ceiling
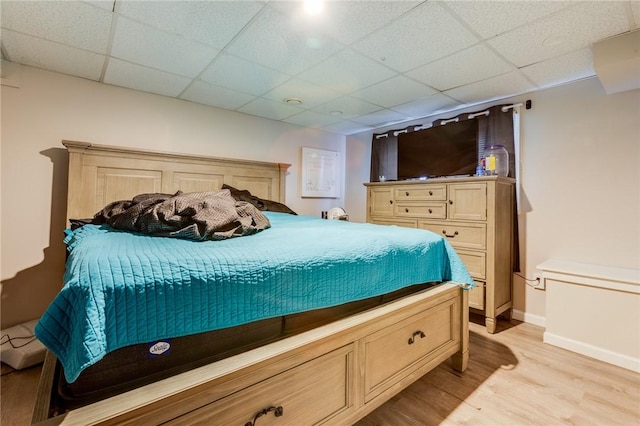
x=357 y=65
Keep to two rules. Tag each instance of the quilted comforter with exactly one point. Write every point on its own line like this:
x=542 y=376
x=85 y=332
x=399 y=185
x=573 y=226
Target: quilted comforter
x=123 y=288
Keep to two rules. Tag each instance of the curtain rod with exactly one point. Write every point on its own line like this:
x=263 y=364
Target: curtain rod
x=527 y=105
x=512 y=106
x=470 y=116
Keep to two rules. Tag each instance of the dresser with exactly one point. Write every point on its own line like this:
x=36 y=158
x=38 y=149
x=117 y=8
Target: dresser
x=475 y=214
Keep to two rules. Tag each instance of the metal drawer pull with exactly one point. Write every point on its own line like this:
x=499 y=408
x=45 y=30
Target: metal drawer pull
x=450 y=201
x=407 y=193
x=444 y=231
x=412 y=339
x=430 y=192
x=277 y=411
x=406 y=210
x=390 y=201
x=430 y=211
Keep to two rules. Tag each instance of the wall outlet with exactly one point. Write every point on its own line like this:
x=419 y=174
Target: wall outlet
x=540 y=285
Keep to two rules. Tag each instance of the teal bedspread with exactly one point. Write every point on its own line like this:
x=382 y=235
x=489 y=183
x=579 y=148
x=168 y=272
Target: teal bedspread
x=124 y=288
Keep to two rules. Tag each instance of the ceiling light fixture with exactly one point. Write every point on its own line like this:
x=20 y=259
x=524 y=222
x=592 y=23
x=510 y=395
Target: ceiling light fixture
x=293 y=101
x=313 y=7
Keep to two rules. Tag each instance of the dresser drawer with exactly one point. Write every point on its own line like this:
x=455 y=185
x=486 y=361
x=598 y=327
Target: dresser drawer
x=459 y=234
x=395 y=351
x=420 y=193
x=434 y=210
x=475 y=261
x=311 y=393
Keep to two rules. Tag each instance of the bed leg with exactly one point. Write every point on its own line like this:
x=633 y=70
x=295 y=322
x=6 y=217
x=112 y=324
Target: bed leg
x=460 y=360
x=43 y=396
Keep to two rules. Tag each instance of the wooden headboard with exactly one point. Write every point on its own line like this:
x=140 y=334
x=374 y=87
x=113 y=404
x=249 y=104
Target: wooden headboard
x=100 y=174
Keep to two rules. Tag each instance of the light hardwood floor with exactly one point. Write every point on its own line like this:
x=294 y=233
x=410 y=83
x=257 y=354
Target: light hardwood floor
x=513 y=379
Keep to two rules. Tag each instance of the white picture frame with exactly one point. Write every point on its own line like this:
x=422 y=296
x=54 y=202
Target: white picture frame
x=320 y=173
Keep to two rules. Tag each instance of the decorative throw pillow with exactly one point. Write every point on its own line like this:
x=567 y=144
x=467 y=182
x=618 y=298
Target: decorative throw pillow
x=261 y=204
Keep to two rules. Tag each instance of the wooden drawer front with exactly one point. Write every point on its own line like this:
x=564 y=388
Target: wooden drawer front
x=476 y=296
x=309 y=394
x=389 y=356
x=468 y=201
x=460 y=234
x=406 y=223
x=421 y=193
x=425 y=209
x=475 y=262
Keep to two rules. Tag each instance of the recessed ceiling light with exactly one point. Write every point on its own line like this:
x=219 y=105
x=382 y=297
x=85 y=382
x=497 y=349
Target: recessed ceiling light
x=313 y=7
x=293 y=101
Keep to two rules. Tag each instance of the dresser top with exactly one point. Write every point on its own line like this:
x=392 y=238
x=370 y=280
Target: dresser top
x=445 y=180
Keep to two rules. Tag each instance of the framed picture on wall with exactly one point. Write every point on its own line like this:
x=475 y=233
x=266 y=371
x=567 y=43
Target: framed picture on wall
x=320 y=173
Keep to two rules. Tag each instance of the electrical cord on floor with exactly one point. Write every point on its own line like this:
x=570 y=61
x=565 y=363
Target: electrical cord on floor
x=527 y=281
x=11 y=339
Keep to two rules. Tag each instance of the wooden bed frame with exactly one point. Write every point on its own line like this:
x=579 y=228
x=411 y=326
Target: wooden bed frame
x=333 y=374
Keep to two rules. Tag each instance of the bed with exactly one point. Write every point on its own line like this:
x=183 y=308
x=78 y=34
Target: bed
x=299 y=328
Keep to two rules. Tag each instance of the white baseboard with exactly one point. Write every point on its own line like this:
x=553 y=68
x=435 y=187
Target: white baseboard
x=605 y=355
x=528 y=318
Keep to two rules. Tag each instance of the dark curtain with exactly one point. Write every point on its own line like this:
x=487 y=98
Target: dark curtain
x=384 y=154
x=384 y=157
x=497 y=129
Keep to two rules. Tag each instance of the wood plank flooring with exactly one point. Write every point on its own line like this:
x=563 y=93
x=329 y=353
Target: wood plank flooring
x=513 y=379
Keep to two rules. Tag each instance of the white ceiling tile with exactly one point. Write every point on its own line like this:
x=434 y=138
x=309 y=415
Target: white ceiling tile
x=347 y=21
x=269 y=109
x=490 y=18
x=52 y=56
x=270 y=40
x=382 y=118
x=427 y=106
x=347 y=127
x=103 y=4
x=472 y=64
x=348 y=107
x=346 y=72
x=568 y=30
x=238 y=74
x=312 y=119
x=395 y=91
x=146 y=46
x=211 y=22
x=494 y=88
x=573 y=66
x=77 y=24
x=310 y=94
x=269 y=50
x=120 y=73
x=216 y=96
x=422 y=35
